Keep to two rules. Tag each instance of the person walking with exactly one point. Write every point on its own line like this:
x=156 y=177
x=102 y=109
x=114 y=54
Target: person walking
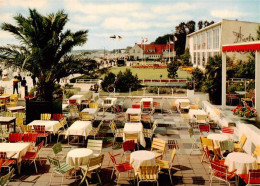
x=15 y=84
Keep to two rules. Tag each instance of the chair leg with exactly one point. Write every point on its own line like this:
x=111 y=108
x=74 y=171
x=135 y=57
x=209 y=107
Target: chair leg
x=35 y=166
x=170 y=174
x=99 y=179
x=51 y=176
x=62 y=179
x=117 y=178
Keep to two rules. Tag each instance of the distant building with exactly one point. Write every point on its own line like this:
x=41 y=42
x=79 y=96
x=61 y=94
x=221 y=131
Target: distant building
x=208 y=41
x=151 y=51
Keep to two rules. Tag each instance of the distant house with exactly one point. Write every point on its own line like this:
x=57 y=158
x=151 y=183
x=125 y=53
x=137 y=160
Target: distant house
x=151 y=51
x=208 y=41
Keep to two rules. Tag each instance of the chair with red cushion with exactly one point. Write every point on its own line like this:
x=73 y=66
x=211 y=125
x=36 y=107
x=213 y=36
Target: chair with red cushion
x=122 y=167
x=137 y=106
x=30 y=137
x=40 y=130
x=72 y=101
x=57 y=117
x=7 y=162
x=128 y=146
x=221 y=172
x=252 y=178
x=33 y=155
x=227 y=130
x=15 y=137
x=146 y=105
x=204 y=128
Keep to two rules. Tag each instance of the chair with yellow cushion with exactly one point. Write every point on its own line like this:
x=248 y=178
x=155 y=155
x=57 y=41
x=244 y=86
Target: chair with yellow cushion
x=209 y=143
x=134 y=118
x=7 y=114
x=166 y=164
x=84 y=116
x=93 y=105
x=239 y=146
x=45 y=116
x=257 y=155
x=159 y=146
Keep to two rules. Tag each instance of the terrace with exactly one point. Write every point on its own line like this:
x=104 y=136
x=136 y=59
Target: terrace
x=174 y=122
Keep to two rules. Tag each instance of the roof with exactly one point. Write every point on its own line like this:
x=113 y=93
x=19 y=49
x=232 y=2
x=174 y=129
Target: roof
x=242 y=47
x=206 y=28
x=157 y=48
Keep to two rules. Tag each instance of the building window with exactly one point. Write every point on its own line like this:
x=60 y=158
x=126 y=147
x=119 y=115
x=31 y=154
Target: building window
x=203 y=59
x=198 y=41
x=209 y=40
x=203 y=40
x=198 y=54
x=216 y=38
x=194 y=42
x=194 y=58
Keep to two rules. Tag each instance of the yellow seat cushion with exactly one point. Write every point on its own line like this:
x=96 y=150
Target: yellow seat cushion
x=163 y=164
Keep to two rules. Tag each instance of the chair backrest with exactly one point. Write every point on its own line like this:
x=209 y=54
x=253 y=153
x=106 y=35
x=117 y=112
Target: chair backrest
x=148 y=172
x=45 y=116
x=158 y=144
x=3 y=155
x=7 y=114
x=194 y=107
x=54 y=161
x=242 y=140
x=227 y=130
x=202 y=117
x=57 y=148
x=95 y=145
x=72 y=101
x=226 y=145
x=132 y=136
x=158 y=104
x=93 y=105
x=107 y=101
x=128 y=145
x=154 y=127
x=134 y=118
x=146 y=104
x=207 y=142
x=257 y=151
x=63 y=122
x=4 y=180
x=191 y=132
x=254 y=176
x=1 y=162
x=26 y=128
x=136 y=106
x=249 y=95
x=220 y=169
x=96 y=162
x=39 y=128
x=184 y=104
x=14 y=97
x=15 y=137
x=20 y=115
x=145 y=117
x=204 y=128
x=57 y=117
x=85 y=116
x=30 y=137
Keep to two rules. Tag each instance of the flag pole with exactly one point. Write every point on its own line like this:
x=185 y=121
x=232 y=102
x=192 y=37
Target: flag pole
x=169 y=51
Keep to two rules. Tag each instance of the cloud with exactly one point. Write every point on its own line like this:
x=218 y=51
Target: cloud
x=25 y=3
x=227 y=14
x=109 y=8
x=177 y=7
x=7 y=18
x=86 y=18
x=143 y=15
x=124 y=23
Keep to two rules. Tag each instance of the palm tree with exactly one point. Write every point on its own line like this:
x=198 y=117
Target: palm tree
x=44 y=48
x=200 y=24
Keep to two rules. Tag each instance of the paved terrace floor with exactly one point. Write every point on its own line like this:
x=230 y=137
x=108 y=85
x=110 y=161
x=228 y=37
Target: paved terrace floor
x=188 y=169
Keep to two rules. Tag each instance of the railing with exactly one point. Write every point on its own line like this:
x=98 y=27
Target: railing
x=87 y=80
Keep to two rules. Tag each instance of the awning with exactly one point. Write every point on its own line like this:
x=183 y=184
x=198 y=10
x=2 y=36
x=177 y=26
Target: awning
x=242 y=47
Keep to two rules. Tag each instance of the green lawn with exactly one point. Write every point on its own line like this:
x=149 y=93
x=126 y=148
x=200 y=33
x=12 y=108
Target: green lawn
x=149 y=73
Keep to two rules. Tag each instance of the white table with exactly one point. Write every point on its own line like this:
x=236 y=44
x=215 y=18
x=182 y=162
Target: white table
x=64 y=106
x=50 y=126
x=240 y=161
x=178 y=101
x=133 y=111
x=131 y=128
x=16 y=109
x=19 y=148
x=142 y=158
x=112 y=102
x=78 y=98
x=217 y=138
x=79 y=128
x=79 y=156
x=92 y=111
x=7 y=121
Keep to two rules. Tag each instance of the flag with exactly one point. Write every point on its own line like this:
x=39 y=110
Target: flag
x=145 y=40
x=119 y=37
x=113 y=37
x=142 y=41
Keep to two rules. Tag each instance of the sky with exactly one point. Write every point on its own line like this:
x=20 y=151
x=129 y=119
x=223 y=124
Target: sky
x=130 y=19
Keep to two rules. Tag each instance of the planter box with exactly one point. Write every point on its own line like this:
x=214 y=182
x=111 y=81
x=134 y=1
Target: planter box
x=35 y=108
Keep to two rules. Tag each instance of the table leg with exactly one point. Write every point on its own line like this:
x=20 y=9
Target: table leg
x=15 y=125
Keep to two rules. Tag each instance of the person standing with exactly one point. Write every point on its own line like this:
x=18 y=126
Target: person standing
x=34 y=80
x=15 y=84
x=19 y=77
x=23 y=88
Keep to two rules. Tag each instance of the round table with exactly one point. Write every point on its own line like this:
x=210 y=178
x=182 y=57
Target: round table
x=217 y=138
x=79 y=156
x=142 y=158
x=240 y=161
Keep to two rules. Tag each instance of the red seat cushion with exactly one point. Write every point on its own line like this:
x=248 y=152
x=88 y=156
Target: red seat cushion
x=30 y=155
x=124 y=167
x=8 y=162
x=223 y=175
x=245 y=177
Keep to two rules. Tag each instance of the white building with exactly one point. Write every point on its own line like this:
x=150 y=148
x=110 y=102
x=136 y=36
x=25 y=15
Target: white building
x=208 y=41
